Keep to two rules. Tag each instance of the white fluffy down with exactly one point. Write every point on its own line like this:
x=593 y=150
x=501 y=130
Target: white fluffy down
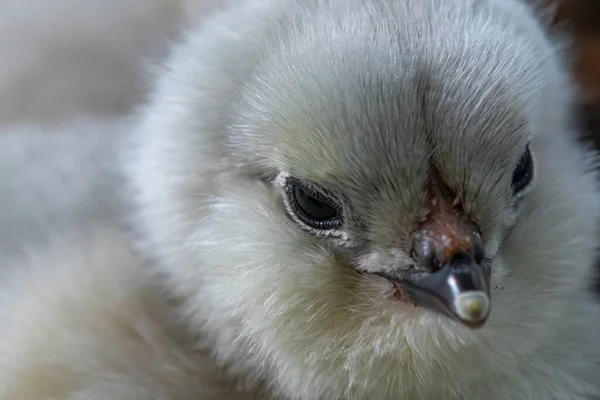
x=84 y=324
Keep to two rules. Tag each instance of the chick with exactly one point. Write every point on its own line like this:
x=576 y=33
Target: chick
x=332 y=199
x=376 y=199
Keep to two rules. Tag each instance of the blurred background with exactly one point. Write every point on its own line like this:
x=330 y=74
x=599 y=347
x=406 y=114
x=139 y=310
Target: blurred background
x=67 y=59
x=582 y=19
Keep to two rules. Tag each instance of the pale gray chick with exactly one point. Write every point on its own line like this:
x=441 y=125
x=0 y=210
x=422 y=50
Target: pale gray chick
x=345 y=199
x=378 y=199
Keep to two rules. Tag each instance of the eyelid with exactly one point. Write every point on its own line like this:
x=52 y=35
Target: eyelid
x=519 y=192
x=288 y=183
x=314 y=190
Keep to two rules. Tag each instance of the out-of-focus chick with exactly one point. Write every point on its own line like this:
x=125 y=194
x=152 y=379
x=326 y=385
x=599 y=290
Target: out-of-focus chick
x=341 y=199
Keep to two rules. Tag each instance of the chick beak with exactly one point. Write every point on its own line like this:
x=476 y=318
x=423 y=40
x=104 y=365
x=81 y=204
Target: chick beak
x=460 y=290
x=452 y=277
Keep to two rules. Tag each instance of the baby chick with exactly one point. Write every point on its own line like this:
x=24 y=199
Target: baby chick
x=377 y=199
x=331 y=199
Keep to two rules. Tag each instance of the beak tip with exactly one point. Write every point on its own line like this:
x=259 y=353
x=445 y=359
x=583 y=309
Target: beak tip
x=472 y=307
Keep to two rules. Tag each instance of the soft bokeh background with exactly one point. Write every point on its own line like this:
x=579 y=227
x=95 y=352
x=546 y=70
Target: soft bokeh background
x=66 y=59
x=582 y=19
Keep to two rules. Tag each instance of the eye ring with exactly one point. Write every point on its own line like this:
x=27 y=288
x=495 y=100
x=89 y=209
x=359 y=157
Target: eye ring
x=312 y=207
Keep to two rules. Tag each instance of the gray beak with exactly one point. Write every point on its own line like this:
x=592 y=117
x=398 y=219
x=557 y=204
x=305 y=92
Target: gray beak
x=460 y=289
x=453 y=277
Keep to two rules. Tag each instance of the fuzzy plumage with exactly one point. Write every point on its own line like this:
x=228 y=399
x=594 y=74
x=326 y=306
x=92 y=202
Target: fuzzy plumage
x=362 y=97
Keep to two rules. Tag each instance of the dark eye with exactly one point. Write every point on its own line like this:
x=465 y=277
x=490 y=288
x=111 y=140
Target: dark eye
x=311 y=207
x=523 y=173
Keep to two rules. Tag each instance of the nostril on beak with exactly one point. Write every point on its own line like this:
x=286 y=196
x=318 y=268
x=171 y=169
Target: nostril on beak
x=431 y=254
x=425 y=255
x=460 y=258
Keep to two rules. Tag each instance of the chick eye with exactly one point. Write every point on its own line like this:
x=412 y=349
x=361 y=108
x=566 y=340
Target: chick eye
x=311 y=207
x=523 y=173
